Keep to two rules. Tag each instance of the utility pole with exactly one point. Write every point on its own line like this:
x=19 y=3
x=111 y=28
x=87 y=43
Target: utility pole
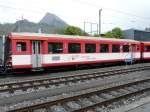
x=100 y=10
x=84 y=26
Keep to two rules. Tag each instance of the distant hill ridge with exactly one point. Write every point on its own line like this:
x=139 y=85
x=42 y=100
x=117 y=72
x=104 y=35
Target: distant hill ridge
x=50 y=23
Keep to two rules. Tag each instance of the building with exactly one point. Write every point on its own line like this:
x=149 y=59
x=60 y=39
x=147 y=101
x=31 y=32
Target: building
x=137 y=34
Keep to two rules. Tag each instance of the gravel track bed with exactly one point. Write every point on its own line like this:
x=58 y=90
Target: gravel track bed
x=84 y=101
x=136 y=106
x=29 y=90
x=18 y=78
x=43 y=98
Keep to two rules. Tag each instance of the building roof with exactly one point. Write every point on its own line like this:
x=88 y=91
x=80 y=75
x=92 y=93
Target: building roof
x=133 y=29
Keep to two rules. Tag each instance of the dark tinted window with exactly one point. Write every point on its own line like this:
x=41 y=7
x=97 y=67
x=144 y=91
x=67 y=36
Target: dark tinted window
x=74 y=48
x=90 y=48
x=21 y=46
x=126 y=48
x=55 y=47
x=147 y=48
x=104 y=48
x=137 y=48
x=115 y=48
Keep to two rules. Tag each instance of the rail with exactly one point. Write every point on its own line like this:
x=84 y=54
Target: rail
x=130 y=89
x=12 y=87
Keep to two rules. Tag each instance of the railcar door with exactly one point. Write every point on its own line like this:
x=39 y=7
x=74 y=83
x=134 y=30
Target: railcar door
x=36 y=54
x=133 y=50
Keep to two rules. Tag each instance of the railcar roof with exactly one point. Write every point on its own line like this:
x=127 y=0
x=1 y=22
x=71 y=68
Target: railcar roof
x=67 y=36
x=146 y=42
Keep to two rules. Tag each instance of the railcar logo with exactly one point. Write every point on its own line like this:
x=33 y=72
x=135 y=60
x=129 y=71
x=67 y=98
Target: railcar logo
x=80 y=57
x=56 y=58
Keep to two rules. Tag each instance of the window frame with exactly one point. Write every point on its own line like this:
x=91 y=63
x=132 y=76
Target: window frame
x=108 y=45
x=133 y=47
x=146 y=48
x=137 y=48
x=14 y=47
x=74 y=43
x=90 y=44
x=123 y=48
x=22 y=48
x=55 y=52
x=115 y=44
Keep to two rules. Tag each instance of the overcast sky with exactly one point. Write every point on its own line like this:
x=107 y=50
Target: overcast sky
x=115 y=13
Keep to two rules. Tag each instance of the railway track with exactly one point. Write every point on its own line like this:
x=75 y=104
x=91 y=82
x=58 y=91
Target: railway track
x=56 y=81
x=91 y=101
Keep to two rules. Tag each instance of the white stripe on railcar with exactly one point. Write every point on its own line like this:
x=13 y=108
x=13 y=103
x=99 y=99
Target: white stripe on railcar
x=62 y=58
x=58 y=58
x=21 y=59
x=146 y=54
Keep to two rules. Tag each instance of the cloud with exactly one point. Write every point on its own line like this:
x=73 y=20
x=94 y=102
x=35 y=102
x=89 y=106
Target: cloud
x=119 y=13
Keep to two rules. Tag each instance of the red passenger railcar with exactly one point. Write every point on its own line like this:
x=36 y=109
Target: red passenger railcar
x=34 y=50
x=145 y=51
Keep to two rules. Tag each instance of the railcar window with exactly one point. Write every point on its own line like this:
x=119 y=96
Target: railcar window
x=115 y=48
x=147 y=48
x=74 y=48
x=104 y=48
x=126 y=48
x=21 y=46
x=90 y=48
x=55 y=47
x=137 y=48
x=133 y=48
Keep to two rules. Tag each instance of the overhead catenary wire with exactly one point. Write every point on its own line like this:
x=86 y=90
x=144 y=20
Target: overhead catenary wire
x=110 y=9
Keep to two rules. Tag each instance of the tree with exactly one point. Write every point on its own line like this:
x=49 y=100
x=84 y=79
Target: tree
x=115 y=33
x=96 y=35
x=108 y=34
x=72 y=30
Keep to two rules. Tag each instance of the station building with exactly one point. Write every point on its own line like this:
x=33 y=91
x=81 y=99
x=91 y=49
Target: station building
x=137 y=34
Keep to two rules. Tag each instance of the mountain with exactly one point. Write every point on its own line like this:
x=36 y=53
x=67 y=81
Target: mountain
x=53 y=21
x=50 y=23
x=25 y=26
